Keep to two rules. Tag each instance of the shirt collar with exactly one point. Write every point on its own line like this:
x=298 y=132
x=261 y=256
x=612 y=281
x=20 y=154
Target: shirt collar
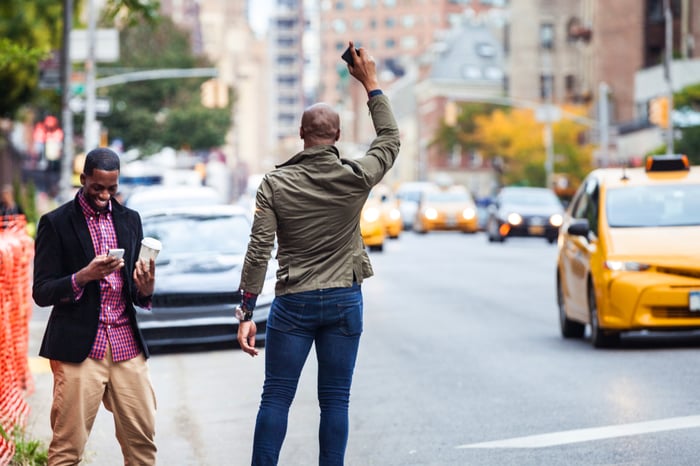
x=311 y=152
x=87 y=209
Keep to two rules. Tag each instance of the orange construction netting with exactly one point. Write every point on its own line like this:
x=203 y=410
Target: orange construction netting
x=16 y=255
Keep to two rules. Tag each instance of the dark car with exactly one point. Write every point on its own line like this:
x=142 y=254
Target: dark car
x=525 y=211
x=197 y=275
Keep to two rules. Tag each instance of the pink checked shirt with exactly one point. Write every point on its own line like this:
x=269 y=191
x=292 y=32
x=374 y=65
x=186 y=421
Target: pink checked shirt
x=114 y=327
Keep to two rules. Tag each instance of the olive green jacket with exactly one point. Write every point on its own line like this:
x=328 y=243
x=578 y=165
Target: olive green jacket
x=312 y=203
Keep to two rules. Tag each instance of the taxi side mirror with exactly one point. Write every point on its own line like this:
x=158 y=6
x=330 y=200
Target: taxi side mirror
x=579 y=227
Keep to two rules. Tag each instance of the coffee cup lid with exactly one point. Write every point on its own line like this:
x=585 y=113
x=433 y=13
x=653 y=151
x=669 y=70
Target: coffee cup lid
x=152 y=243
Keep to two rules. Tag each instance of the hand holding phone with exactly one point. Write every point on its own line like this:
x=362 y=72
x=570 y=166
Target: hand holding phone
x=347 y=56
x=117 y=252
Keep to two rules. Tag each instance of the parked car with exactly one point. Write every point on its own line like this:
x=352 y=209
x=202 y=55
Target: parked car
x=197 y=273
x=524 y=211
x=450 y=208
x=628 y=252
x=149 y=198
x=408 y=195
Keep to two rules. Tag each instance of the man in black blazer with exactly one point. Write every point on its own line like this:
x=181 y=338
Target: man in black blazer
x=92 y=338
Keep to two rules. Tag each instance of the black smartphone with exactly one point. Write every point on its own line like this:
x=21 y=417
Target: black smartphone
x=347 y=56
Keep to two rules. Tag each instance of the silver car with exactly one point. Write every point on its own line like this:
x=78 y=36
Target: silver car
x=197 y=276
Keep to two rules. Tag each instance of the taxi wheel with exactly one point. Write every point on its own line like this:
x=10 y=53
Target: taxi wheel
x=569 y=328
x=600 y=338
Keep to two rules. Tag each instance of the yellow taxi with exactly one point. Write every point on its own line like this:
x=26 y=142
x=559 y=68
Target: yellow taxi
x=389 y=207
x=628 y=252
x=372 y=225
x=451 y=208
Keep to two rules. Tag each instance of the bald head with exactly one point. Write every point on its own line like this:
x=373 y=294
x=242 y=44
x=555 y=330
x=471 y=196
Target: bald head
x=320 y=124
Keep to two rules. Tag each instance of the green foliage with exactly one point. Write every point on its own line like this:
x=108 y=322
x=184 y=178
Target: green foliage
x=151 y=114
x=688 y=97
x=27 y=452
x=29 y=30
x=689 y=144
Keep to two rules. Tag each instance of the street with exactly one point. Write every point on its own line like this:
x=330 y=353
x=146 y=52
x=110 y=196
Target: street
x=461 y=363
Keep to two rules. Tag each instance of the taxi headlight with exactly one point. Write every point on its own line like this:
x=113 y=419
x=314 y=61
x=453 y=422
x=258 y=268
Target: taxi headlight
x=622 y=266
x=371 y=214
x=468 y=213
x=394 y=214
x=556 y=220
x=430 y=213
x=515 y=219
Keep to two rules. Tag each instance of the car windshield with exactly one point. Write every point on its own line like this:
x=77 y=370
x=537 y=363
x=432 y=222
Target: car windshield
x=447 y=196
x=653 y=206
x=529 y=197
x=201 y=234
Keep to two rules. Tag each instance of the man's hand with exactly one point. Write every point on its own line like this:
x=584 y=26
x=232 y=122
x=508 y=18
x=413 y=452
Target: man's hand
x=98 y=268
x=145 y=277
x=364 y=69
x=246 y=337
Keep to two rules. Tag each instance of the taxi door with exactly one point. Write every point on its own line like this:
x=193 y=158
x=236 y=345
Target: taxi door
x=577 y=251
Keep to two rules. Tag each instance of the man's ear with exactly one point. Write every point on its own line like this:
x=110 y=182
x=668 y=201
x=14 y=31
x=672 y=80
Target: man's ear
x=301 y=132
x=82 y=179
x=337 y=134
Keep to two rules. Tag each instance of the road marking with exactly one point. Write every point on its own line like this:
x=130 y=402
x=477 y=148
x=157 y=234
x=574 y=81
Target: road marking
x=595 y=433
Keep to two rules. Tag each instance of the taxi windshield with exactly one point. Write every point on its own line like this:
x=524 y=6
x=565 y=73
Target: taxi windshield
x=654 y=206
x=447 y=196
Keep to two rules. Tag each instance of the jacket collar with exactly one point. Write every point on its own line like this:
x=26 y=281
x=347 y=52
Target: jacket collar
x=311 y=152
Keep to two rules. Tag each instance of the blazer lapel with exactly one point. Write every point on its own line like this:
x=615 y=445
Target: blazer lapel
x=81 y=229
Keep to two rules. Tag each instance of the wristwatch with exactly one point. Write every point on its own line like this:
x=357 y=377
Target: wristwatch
x=243 y=315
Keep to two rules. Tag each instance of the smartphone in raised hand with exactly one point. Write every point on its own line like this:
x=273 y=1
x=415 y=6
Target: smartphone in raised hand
x=347 y=56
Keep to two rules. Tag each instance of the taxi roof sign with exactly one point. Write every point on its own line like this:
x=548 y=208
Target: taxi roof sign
x=667 y=163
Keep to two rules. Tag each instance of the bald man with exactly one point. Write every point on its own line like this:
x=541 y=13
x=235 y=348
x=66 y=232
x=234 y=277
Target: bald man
x=312 y=203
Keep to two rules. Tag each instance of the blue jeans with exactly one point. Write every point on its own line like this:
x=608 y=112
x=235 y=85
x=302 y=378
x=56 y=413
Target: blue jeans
x=332 y=319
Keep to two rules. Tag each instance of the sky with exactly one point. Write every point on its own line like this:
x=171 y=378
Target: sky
x=258 y=12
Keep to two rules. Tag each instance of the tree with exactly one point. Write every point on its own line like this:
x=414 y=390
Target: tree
x=688 y=99
x=513 y=140
x=151 y=114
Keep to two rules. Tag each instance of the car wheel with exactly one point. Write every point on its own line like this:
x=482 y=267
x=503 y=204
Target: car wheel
x=600 y=338
x=569 y=328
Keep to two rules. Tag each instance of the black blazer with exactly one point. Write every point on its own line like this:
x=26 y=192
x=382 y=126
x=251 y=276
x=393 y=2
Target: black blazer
x=62 y=247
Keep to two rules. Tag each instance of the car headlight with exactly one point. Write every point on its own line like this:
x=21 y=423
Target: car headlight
x=394 y=214
x=556 y=220
x=430 y=213
x=515 y=219
x=371 y=214
x=468 y=213
x=622 y=266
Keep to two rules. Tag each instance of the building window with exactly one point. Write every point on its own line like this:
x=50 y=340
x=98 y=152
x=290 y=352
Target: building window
x=409 y=43
x=408 y=21
x=373 y=23
x=547 y=36
x=390 y=43
x=358 y=4
x=358 y=25
x=390 y=22
x=340 y=6
x=339 y=26
x=546 y=86
x=390 y=3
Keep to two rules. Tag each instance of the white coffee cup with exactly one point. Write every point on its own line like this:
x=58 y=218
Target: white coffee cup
x=150 y=247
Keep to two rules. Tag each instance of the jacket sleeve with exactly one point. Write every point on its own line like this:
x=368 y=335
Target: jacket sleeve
x=52 y=284
x=385 y=147
x=262 y=240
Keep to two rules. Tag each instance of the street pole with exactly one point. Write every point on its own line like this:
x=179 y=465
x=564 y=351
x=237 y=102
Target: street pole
x=604 y=123
x=668 y=57
x=548 y=136
x=89 y=128
x=64 y=183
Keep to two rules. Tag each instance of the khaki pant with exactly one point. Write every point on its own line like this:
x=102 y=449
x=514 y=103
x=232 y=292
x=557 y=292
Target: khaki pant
x=126 y=391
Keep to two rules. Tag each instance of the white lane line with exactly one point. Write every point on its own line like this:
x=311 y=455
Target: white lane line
x=595 y=433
